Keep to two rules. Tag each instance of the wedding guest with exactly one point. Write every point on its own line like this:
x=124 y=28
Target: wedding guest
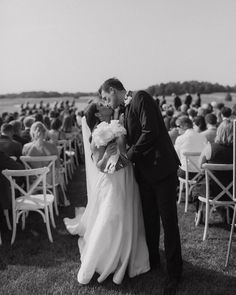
x=7 y=144
x=177 y=101
x=199 y=124
x=173 y=133
x=27 y=122
x=7 y=163
x=219 y=152
x=39 y=146
x=226 y=113
x=210 y=132
x=168 y=117
x=188 y=141
x=17 y=127
x=188 y=100
x=55 y=133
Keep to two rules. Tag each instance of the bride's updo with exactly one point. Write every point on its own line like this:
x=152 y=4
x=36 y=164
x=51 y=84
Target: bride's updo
x=38 y=131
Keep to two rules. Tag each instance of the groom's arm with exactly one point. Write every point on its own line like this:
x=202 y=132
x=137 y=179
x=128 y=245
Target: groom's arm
x=145 y=109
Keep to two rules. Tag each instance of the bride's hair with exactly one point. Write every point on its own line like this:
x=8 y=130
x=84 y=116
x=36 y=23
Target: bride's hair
x=91 y=119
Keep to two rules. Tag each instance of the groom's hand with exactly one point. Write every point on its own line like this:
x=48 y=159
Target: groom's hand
x=111 y=149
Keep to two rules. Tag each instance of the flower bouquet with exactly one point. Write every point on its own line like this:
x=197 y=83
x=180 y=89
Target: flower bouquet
x=106 y=133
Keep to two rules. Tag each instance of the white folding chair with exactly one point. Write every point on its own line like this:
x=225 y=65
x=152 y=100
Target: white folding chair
x=231 y=236
x=191 y=158
x=61 y=145
x=29 y=200
x=214 y=201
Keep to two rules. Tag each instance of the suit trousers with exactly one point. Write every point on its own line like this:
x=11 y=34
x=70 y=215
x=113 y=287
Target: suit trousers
x=159 y=202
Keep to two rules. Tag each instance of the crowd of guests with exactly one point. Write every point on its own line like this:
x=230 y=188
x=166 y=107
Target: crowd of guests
x=34 y=131
x=202 y=128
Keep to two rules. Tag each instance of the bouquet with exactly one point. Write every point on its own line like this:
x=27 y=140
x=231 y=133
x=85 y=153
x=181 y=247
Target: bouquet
x=103 y=135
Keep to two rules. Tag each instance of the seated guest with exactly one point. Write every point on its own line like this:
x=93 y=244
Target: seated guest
x=219 y=152
x=17 y=132
x=28 y=121
x=210 y=132
x=174 y=132
x=199 y=124
x=168 y=117
x=55 y=133
x=39 y=146
x=7 y=144
x=188 y=141
x=226 y=113
x=6 y=163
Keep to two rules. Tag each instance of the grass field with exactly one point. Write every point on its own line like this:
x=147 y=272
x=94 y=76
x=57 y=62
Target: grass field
x=35 y=266
x=12 y=105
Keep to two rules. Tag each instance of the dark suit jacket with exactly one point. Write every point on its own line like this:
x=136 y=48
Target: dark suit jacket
x=10 y=147
x=150 y=146
x=5 y=194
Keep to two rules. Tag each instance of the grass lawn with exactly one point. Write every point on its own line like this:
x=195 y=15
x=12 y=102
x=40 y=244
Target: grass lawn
x=35 y=266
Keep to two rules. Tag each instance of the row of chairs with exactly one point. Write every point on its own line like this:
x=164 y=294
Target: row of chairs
x=41 y=191
x=210 y=202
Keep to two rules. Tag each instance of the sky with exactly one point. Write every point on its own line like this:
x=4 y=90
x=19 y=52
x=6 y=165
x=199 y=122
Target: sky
x=74 y=45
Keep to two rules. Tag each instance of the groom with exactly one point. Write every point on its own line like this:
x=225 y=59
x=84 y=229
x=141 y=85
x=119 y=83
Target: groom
x=156 y=164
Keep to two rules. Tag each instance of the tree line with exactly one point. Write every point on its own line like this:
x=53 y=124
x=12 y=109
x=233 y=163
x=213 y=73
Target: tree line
x=154 y=90
x=188 y=87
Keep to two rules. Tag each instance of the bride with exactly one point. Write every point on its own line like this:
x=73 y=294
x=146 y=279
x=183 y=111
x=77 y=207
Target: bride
x=111 y=229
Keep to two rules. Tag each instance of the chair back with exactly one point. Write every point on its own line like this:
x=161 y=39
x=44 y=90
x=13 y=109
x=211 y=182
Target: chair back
x=224 y=188
x=39 y=176
x=44 y=161
x=191 y=158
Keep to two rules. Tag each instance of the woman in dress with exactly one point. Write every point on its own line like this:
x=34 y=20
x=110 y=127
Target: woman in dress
x=111 y=229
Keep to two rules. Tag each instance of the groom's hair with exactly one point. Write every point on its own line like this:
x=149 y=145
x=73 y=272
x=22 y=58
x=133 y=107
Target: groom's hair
x=112 y=82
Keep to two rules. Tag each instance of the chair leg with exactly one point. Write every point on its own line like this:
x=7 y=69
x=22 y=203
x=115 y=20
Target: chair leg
x=52 y=216
x=231 y=237
x=55 y=202
x=0 y=239
x=23 y=220
x=6 y=213
x=199 y=214
x=227 y=215
x=206 y=221
x=186 y=197
x=180 y=191
x=48 y=225
x=14 y=228
x=66 y=201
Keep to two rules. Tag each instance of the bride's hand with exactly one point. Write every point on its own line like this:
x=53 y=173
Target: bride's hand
x=111 y=149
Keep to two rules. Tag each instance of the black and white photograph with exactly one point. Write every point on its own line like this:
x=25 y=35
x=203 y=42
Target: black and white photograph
x=117 y=147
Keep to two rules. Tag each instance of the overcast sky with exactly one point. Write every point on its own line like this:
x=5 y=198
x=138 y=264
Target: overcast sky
x=73 y=45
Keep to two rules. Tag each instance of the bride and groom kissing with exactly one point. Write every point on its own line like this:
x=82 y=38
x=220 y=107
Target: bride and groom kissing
x=120 y=227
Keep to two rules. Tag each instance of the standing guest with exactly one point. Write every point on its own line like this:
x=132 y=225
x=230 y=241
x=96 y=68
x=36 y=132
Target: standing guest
x=198 y=101
x=210 y=132
x=188 y=141
x=199 y=124
x=188 y=100
x=7 y=144
x=177 y=101
x=17 y=127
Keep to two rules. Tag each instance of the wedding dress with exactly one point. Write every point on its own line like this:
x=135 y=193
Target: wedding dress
x=111 y=229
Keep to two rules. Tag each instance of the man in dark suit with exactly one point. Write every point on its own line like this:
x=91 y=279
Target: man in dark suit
x=7 y=144
x=6 y=163
x=156 y=164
